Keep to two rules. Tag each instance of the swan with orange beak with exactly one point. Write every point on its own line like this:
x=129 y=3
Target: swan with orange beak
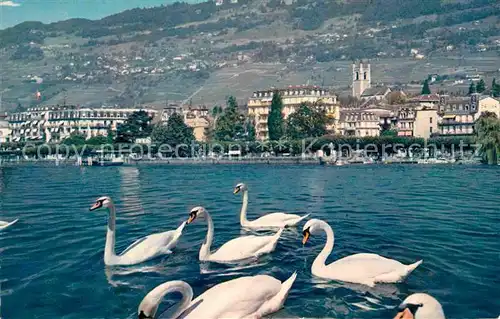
x=142 y=249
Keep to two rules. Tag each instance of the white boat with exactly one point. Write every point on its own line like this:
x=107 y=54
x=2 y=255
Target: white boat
x=106 y=159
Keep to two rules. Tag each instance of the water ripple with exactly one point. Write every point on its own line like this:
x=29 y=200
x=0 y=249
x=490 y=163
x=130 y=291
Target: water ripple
x=51 y=260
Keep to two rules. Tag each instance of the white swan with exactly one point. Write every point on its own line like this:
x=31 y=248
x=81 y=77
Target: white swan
x=244 y=297
x=366 y=269
x=142 y=249
x=268 y=220
x=420 y=306
x=4 y=225
x=236 y=249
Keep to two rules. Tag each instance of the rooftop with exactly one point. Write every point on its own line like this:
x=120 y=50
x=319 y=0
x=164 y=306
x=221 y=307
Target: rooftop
x=381 y=90
x=294 y=88
x=426 y=98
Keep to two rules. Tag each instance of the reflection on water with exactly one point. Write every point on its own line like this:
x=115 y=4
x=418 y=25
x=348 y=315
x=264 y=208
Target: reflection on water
x=224 y=270
x=114 y=271
x=52 y=259
x=130 y=191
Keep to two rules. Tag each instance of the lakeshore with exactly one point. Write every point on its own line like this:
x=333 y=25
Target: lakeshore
x=293 y=160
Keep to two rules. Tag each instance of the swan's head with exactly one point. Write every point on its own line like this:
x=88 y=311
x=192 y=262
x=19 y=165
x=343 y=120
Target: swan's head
x=313 y=226
x=101 y=202
x=149 y=305
x=421 y=306
x=240 y=188
x=197 y=212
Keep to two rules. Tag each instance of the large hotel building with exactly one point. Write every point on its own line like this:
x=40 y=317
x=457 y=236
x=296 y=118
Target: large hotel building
x=54 y=123
x=259 y=105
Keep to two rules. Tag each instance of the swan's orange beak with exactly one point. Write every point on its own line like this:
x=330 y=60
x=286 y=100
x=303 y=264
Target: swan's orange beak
x=306 y=234
x=95 y=206
x=405 y=314
x=236 y=190
x=192 y=217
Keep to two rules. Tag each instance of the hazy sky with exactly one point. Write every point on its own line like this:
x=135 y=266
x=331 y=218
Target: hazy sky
x=16 y=11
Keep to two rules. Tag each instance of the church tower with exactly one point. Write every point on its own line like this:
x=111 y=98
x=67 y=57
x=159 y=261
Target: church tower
x=361 y=78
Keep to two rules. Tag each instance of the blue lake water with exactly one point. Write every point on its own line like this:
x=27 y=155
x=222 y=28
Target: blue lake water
x=52 y=259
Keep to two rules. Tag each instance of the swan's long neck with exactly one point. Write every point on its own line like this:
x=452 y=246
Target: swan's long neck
x=205 y=247
x=151 y=302
x=243 y=213
x=320 y=260
x=109 y=249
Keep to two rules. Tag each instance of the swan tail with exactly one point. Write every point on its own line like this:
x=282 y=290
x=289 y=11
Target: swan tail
x=285 y=289
x=279 y=232
x=179 y=229
x=13 y=222
x=411 y=268
x=178 y=232
x=298 y=220
x=276 y=302
x=9 y=224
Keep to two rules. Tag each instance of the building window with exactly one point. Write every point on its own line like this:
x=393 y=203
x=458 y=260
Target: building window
x=430 y=120
x=430 y=130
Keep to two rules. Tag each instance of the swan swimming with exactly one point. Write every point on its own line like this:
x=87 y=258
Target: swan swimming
x=366 y=269
x=5 y=225
x=268 y=220
x=236 y=249
x=243 y=297
x=143 y=249
x=420 y=306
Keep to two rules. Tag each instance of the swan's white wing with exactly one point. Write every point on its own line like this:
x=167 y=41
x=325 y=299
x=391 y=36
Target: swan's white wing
x=236 y=298
x=241 y=247
x=135 y=243
x=149 y=245
x=277 y=219
x=362 y=267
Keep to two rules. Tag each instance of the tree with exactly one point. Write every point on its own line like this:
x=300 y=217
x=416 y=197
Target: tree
x=488 y=136
x=97 y=140
x=110 y=135
x=250 y=130
x=495 y=89
x=216 y=112
x=75 y=138
x=175 y=133
x=396 y=98
x=481 y=86
x=306 y=122
x=426 y=88
x=137 y=125
x=230 y=125
x=472 y=88
x=389 y=132
x=275 y=121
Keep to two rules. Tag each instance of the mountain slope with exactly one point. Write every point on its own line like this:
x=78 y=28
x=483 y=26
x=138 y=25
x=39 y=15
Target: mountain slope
x=153 y=54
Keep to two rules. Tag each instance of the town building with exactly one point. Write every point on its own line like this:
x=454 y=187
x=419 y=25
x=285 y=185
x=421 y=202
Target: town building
x=425 y=100
x=259 y=105
x=426 y=122
x=375 y=93
x=55 y=123
x=456 y=116
x=361 y=78
x=4 y=129
x=359 y=123
x=196 y=117
x=488 y=104
x=406 y=121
